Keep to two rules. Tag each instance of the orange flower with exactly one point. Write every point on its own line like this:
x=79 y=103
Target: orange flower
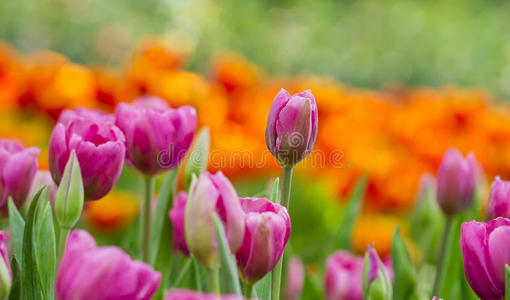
x=376 y=229
x=113 y=212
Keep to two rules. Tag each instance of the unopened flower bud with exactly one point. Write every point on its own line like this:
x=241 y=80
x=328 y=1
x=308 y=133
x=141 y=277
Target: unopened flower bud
x=70 y=194
x=376 y=281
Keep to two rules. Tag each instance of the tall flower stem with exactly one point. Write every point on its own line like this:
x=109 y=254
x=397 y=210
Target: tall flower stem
x=214 y=280
x=441 y=256
x=248 y=292
x=147 y=219
x=283 y=200
x=62 y=239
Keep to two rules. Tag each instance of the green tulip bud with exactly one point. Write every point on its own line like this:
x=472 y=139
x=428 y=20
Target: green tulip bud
x=197 y=161
x=376 y=282
x=70 y=194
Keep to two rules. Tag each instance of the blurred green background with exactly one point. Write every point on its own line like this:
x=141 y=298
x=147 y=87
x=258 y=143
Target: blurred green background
x=367 y=43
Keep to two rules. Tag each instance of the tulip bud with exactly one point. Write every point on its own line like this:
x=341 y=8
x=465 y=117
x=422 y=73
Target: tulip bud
x=436 y=298
x=69 y=198
x=499 y=200
x=376 y=281
x=211 y=194
x=5 y=270
x=292 y=127
x=295 y=279
x=177 y=216
x=197 y=161
x=456 y=180
x=265 y=237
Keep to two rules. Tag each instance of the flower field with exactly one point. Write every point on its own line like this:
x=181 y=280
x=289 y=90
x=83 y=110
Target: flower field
x=149 y=180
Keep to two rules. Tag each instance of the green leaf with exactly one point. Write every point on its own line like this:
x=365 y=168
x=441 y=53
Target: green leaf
x=185 y=264
x=199 y=156
x=449 y=283
x=15 y=293
x=352 y=211
x=17 y=226
x=45 y=246
x=229 y=273
x=274 y=190
x=404 y=284
x=312 y=288
x=30 y=278
x=196 y=275
x=507 y=282
x=263 y=287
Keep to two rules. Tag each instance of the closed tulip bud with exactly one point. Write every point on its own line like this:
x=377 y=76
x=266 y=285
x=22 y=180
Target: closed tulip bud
x=179 y=294
x=209 y=194
x=456 y=180
x=69 y=198
x=267 y=230
x=99 y=147
x=376 y=281
x=157 y=136
x=90 y=272
x=295 y=279
x=292 y=127
x=18 y=166
x=197 y=161
x=177 y=215
x=5 y=269
x=499 y=200
x=485 y=252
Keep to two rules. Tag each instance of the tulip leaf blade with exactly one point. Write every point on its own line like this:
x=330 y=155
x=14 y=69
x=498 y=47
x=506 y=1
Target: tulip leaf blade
x=229 y=273
x=507 y=282
x=449 y=283
x=17 y=226
x=404 y=284
x=45 y=246
x=275 y=190
x=199 y=156
x=263 y=287
x=31 y=286
x=352 y=210
x=15 y=292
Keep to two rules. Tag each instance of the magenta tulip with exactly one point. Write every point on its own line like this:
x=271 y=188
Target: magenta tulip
x=209 y=194
x=267 y=230
x=295 y=279
x=456 y=181
x=41 y=178
x=100 y=148
x=292 y=126
x=192 y=295
x=157 y=136
x=499 y=200
x=177 y=215
x=5 y=269
x=88 y=272
x=69 y=115
x=485 y=252
x=18 y=166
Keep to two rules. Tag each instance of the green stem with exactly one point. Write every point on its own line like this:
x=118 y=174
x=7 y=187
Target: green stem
x=441 y=257
x=214 y=280
x=62 y=239
x=248 y=292
x=146 y=219
x=507 y=282
x=283 y=200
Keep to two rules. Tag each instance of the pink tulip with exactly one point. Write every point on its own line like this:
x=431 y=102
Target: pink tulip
x=18 y=166
x=100 y=148
x=177 y=215
x=292 y=126
x=295 y=279
x=88 y=272
x=192 y=295
x=41 y=178
x=267 y=230
x=499 y=200
x=3 y=250
x=157 y=136
x=69 y=115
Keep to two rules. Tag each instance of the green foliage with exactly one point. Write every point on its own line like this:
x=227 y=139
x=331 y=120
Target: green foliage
x=228 y=262
x=45 y=249
x=199 y=156
x=404 y=282
x=16 y=226
x=15 y=293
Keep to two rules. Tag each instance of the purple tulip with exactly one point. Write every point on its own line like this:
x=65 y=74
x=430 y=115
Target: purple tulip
x=295 y=279
x=209 y=194
x=69 y=115
x=456 y=181
x=17 y=170
x=292 y=126
x=87 y=272
x=41 y=178
x=436 y=298
x=157 y=136
x=344 y=275
x=499 y=200
x=485 y=252
x=179 y=294
x=177 y=215
x=265 y=237
x=99 y=147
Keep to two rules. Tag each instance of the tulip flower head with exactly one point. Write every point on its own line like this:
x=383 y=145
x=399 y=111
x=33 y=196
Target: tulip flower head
x=376 y=280
x=177 y=215
x=18 y=166
x=295 y=279
x=456 y=181
x=485 y=252
x=69 y=115
x=499 y=200
x=179 y=294
x=89 y=272
x=292 y=127
x=344 y=273
x=157 y=136
x=267 y=230
x=209 y=194
x=99 y=146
